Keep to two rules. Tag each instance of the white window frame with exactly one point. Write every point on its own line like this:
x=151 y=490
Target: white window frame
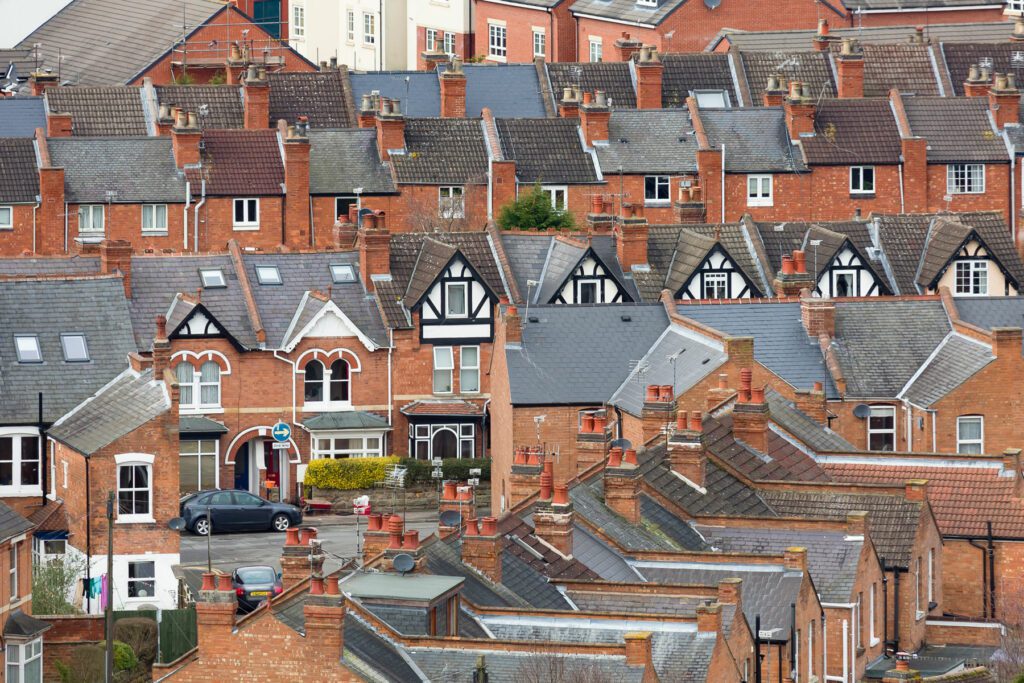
x=342 y=273
x=448 y=287
x=712 y=99
x=324 y=445
x=858 y=177
x=269 y=275
x=873 y=639
x=540 y=43
x=497 y=41
x=369 y=28
x=931 y=579
x=129 y=580
x=88 y=226
x=758 y=197
x=444 y=362
x=596 y=50
x=858 y=612
x=889 y=411
x=325 y=404
x=661 y=182
x=647 y=3
x=465 y=368
x=1015 y=6
x=976 y=273
x=6 y=217
x=18 y=488
x=65 y=340
x=205 y=448
x=157 y=222
x=430 y=39
x=595 y=282
x=212 y=278
x=554 y=192
x=449 y=43
x=810 y=650
x=20 y=351
x=18 y=655
x=195 y=405
x=721 y=280
x=422 y=436
x=965 y=178
x=298 y=28
x=918 y=578
x=13 y=570
x=962 y=442
x=350 y=25
x=451 y=201
x=250 y=213
x=135 y=461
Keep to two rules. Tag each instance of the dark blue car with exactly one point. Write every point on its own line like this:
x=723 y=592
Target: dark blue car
x=236 y=511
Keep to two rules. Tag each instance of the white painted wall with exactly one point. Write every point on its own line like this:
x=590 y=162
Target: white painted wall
x=327 y=33
x=20 y=18
x=443 y=15
x=996 y=280
x=166 y=583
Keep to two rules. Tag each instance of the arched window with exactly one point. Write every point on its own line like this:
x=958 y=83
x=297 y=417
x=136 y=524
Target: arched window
x=339 y=381
x=186 y=376
x=198 y=390
x=209 y=384
x=314 y=385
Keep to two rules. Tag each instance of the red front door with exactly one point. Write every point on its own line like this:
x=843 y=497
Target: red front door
x=273 y=461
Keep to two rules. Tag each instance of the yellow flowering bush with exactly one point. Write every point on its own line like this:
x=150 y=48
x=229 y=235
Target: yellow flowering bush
x=348 y=473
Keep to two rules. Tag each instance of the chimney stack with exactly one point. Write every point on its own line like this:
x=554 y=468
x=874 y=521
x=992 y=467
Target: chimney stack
x=793 y=277
x=216 y=607
x=52 y=210
x=594 y=117
x=916 y=490
x=116 y=257
x=818 y=315
x=622 y=482
x=453 y=91
x=482 y=547
x=626 y=47
x=857 y=523
x=374 y=249
x=800 y=110
x=324 y=612
x=657 y=412
x=58 y=125
x=709 y=618
x=750 y=419
x=649 y=70
x=185 y=138
x=1012 y=465
x=978 y=83
x=296 y=178
x=687 y=453
x=775 y=92
x=795 y=559
x=513 y=326
x=730 y=591
x=1018 y=31
x=569 y=105
x=638 y=650
x=631 y=237
x=553 y=520
x=1004 y=100
x=1006 y=342
x=811 y=402
x=850 y=65
x=256 y=98
x=161 y=349
x=368 y=106
x=390 y=128
x=822 y=37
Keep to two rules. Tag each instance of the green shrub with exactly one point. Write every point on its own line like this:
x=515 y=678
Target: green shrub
x=124 y=657
x=348 y=473
x=139 y=633
x=88 y=663
x=52 y=582
x=533 y=211
x=452 y=468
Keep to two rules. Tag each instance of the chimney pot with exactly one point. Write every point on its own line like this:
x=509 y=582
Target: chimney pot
x=316 y=585
x=696 y=422
x=630 y=457
x=449 y=490
x=681 y=421
x=374 y=522
x=757 y=395
x=800 y=261
x=471 y=528
x=665 y=392
x=411 y=540
x=332 y=585
x=209 y=581
x=652 y=392
x=615 y=457
x=545 y=485
x=561 y=495
x=224 y=583
x=489 y=526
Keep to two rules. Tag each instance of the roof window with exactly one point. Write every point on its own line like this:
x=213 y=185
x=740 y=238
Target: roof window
x=75 y=348
x=212 y=277
x=268 y=275
x=27 y=346
x=342 y=272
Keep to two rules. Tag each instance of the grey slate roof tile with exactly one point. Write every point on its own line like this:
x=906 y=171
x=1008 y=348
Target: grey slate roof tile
x=342 y=160
x=373 y=650
x=958 y=129
x=444 y=558
x=101 y=110
x=657 y=518
x=418 y=91
x=800 y=64
x=561 y=259
x=990 y=312
x=689 y=71
x=781 y=461
x=956 y=360
x=20 y=116
x=119 y=408
x=50 y=265
x=458 y=666
x=580 y=354
x=442 y=151
x=648 y=142
x=526 y=253
x=612 y=78
x=801 y=39
x=216 y=106
x=849 y=131
x=475 y=246
x=817 y=436
x=548 y=151
x=599 y=557
x=19 y=173
x=137 y=170
x=321 y=96
x=511 y=90
x=756 y=139
x=780 y=342
x=11 y=523
x=588 y=502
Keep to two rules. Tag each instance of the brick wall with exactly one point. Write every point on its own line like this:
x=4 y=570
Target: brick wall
x=124 y=222
x=416 y=209
x=19 y=239
x=833 y=182
x=519 y=22
x=68 y=632
x=216 y=219
x=324 y=218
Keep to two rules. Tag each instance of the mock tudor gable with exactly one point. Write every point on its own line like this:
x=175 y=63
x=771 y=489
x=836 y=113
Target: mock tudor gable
x=713 y=273
x=589 y=281
x=840 y=267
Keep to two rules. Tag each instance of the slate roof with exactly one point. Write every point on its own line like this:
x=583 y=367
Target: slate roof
x=684 y=73
x=756 y=139
x=342 y=160
x=349 y=419
x=649 y=141
x=781 y=461
x=853 y=131
x=20 y=116
x=124 y=405
x=964 y=493
x=588 y=504
x=817 y=436
x=458 y=666
x=433 y=258
x=50 y=265
x=913 y=4
x=525 y=253
x=800 y=64
x=322 y=96
x=376 y=652
x=200 y=424
x=958 y=129
x=780 y=342
x=222 y=104
x=240 y=163
x=444 y=558
x=957 y=359
x=608 y=564
x=101 y=110
x=875 y=35
x=959 y=56
x=780 y=239
x=627 y=10
x=548 y=151
x=892 y=520
x=613 y=78
x=474 y=246
x=880 y=344
x=579 y=355
x=599 y=598
x=96 y=51
x=442 y=151
x=136 y=169
x=832 y=557
x=560 y=260
x=989 y=312
x=695 y=357
x=505 y=89
x=47 y=308
x=907 y=68
x=19 y=173
x=12 y=523
x=540 y=558
x=946 y=235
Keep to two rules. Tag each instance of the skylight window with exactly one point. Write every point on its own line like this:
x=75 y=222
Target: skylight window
x=212 y=277
x=27 y=346
x=268 y=275
x=75 y=348
x=342 y=272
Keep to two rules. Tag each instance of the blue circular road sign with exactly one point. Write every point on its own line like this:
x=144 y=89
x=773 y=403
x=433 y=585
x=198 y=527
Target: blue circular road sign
x=282 y=432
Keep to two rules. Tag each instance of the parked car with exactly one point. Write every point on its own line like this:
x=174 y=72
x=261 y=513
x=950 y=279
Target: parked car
x=236 y=511
x=255 y=584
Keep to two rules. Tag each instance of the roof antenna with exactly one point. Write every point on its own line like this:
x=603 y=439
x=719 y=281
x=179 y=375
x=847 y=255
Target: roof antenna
x=529 y=284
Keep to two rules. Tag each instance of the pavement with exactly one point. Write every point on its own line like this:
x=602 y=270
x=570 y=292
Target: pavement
x=337 y=534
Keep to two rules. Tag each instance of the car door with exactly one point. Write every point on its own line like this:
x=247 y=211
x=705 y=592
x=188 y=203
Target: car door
x=253 y=512
x=223 y=516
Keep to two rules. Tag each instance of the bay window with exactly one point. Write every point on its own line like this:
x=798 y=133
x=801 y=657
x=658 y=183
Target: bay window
x=24 y=661
x=339 y=445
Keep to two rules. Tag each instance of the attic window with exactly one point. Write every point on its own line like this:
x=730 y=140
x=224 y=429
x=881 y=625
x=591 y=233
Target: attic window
x=268 y=275
x=647 y=3
x=27 y=346
x=712 y=99
x=212 y=277
x=75 y=348
x=342 y=272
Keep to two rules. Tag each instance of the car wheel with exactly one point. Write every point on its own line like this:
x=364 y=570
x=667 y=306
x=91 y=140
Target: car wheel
x=281 y=522
x=201 y=527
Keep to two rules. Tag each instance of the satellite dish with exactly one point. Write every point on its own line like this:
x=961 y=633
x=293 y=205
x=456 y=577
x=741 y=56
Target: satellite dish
x=712 y=4
x=622 y=443
x=451 y=518
x=178 y=523
x=861 y=410
x=403 y=563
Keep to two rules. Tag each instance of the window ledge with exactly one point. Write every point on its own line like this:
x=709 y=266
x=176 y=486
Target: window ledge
x=248 y=227
x=875 y=641
x=20 y=491
x=920 y=615
x=862 y=195
x=89 y=239
x=755 y=203
x=327 y=407
x=154 y=233
x=6 y=227
x=200 y=411
x=135 y=519
x=657 y=202
x=496 y=58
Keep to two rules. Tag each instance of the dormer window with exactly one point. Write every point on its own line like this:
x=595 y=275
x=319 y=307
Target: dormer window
x=712 y=99
x=212 y=278
x=27 y=346
x=75 y=348
x=268 y=275
x=972 y=278
x=647 y=3
x=342 y=272
x=455 y=299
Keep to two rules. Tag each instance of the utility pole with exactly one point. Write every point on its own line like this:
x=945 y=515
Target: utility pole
x=110 y=589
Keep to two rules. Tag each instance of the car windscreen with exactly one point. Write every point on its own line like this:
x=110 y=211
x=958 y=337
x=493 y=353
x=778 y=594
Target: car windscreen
x=249 y=575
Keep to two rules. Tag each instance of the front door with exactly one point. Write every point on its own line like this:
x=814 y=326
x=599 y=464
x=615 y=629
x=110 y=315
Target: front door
x=445 y=445
x=273 y=462
x=242 y=468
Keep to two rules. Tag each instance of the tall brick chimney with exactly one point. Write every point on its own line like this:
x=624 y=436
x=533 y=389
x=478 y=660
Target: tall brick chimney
x=978 y=83
x=709 y=618
x=822 y=37
x=256 y=98
x=622 y=482
x=750 y=420
x=553 y=522
x=295 y=559
x=185 y=137
x=52 y=207
x=657 y=412
x=687 y=453
x=811 y=402
x=730 y=591
x=513 y=326
x=41 y=81
x=800 y=110
x=649 y=70
x=215 y=608
x=631 y=243
x=161 y=349
x=324 y=612
x=818 y=316
x=775 y=92
x=58 y=125
x=595 y=115
x=296 y=180
x=374 y=250
x=453 y=91
x=1004 y=100
x=482 y=546
x=850 y=65
x=116 y=257
x=368 y=106
x=569 y=105
x=626 y=47
x=793 y=277
x=390 y=128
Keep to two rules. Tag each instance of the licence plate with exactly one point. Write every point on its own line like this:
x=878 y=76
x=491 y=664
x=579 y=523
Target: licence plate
x=259 y=594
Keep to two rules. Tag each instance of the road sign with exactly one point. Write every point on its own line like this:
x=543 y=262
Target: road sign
x=281 y=432
x=281 y=446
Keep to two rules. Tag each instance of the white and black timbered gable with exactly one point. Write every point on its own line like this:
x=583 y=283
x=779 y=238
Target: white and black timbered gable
x=974 y=269
x=199 y=323
x=848 y=273
x=590 y=282
x=458 y=307
x=718 y=276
